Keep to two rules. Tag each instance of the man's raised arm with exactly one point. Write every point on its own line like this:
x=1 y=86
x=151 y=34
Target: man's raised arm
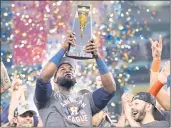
x=156 y=47
x=43 y=88
x=51 y=67
x=106 y=76
x=103 y=95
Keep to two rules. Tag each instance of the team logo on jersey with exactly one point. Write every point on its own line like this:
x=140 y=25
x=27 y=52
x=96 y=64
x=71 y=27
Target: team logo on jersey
x=73 y=110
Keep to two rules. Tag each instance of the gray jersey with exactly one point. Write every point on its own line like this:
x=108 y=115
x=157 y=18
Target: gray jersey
x=66 y=110
x=161 y=124
x=166 y=116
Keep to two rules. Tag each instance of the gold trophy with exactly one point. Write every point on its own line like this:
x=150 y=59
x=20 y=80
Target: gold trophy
x=82 y=26
x=82 y=16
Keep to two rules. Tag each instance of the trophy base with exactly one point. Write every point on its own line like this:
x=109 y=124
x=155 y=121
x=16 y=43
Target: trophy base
x=80 y=55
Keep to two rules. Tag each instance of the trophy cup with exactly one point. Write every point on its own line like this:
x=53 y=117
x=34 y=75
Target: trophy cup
x=82 y=26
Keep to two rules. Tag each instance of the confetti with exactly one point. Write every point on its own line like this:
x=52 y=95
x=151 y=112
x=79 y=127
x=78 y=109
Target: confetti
x=36 y=29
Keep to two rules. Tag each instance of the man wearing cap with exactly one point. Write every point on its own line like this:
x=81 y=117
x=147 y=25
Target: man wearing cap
x=63 y=108
x=142 y=111
x=23 y=116
x=158 y=79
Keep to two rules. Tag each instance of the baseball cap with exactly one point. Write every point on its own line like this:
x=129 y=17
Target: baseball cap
x=67 y=60
x=147 y=97
x=25 y=107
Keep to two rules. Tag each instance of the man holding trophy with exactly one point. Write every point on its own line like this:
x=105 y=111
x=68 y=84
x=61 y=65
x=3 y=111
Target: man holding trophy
x=63 y=108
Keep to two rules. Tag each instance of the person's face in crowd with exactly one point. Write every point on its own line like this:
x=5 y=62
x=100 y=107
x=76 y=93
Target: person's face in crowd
x=24 y=120
x=140 y=109
x=65 y=76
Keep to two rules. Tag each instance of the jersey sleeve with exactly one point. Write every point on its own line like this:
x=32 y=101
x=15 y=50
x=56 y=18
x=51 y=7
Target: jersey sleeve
x=99 y=99
x=43 y=91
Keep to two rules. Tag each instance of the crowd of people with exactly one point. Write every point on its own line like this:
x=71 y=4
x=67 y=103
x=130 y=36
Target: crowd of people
x=61 y=107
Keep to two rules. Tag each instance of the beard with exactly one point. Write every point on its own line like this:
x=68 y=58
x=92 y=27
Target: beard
x=140 y=115
x=66 y=82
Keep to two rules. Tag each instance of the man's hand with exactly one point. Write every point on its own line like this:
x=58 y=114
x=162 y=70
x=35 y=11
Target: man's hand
x=126 y=97
x=16 y=82
x=127 y=109
x=165 y=72
x=156 y=47
x=91 y=47
x=129 y=117
x=18 y=89
x=70 y=40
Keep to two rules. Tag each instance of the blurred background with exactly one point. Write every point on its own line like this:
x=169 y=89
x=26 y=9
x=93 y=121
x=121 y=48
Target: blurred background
x=31 y=33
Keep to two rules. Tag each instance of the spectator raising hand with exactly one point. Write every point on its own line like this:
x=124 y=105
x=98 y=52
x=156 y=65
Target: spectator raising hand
x=157 y=80
x=16 y=82
x=17 y=95
x=156 y=47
